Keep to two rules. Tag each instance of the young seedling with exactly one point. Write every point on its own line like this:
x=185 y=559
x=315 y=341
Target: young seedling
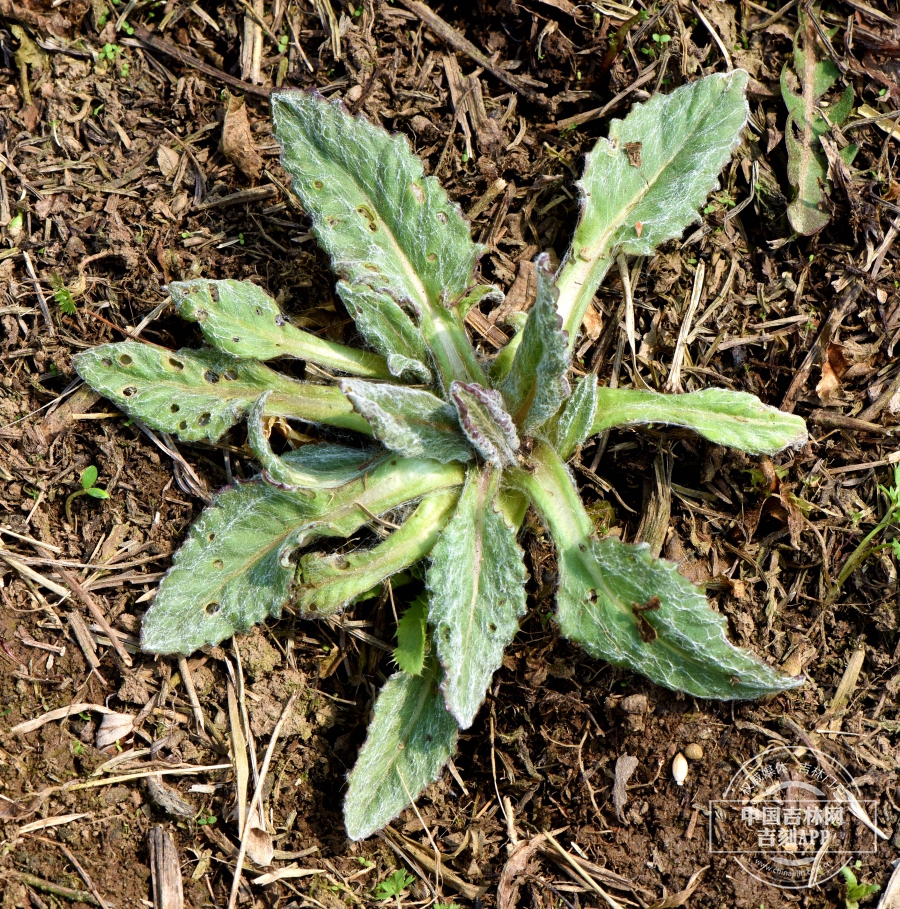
x=855 y=892
x=454 y=446
x=88 y=478
x=393 y=885
x=869 y=544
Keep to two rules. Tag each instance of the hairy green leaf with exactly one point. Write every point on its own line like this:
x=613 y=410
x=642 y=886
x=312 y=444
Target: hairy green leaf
x=630 y=609
x=576 y=420
x=388 y=329
x=409 y=654
x=537 y=384
x=807 y=162
x=235 y=567
x=314 y=467
x=644 y=184
x=327 y=583
x=477 y=584
x=410 y=738
x=230 y=572
x=412 y=422
x=385 y=225
x=486 y=424
x=242 y=319
x=725 y=417
x=199 y=394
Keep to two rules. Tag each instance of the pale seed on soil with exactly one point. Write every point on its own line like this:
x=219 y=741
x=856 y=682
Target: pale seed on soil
x=680 y=768
x=693 y=752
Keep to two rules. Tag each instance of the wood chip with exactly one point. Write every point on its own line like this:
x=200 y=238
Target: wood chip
x=626 y=764
x=165 y=869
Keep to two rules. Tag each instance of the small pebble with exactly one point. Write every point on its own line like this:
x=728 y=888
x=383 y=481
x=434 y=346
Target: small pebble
x=680 y=768
x=693 y=752
x=634 y=704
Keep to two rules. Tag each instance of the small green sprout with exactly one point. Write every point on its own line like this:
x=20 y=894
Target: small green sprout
x=869 y=544
x=62 y=295
x=393 y=885
x=856 y=892
x=88 y=478
x=283 y=42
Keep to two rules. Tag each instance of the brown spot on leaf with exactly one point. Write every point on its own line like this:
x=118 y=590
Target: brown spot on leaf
x=633 y=150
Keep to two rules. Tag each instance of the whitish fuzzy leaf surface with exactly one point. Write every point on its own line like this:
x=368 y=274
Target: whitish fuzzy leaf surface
x=229 y=573
x=477 y=585
x=685 y=138
x=410 y=738
x=630 y=609
x=313 y=467
x=725 y=417
x=327 y=583
x=486 y=424
x=409 y=654
x=199 y=394
x=387 y=328
x=807 y=162
x=384 y=224
x=243 y=320
x=575 y=422
x=537 y=384
x=624 y=606
x=236 y=564
x=412 y=422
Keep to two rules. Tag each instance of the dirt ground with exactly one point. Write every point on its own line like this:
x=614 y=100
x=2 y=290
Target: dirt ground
x=119 y=173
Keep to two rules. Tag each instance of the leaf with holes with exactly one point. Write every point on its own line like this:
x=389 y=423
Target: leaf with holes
x=410 y=738
x=231 y=572
x=199 y=394
x=630 y=609
x=236 y=568
x=477 y=584
x=686 y=138
x=242 y=319
x=412 y=422
x=386 y=226
x=725 y=417
x=537 y=383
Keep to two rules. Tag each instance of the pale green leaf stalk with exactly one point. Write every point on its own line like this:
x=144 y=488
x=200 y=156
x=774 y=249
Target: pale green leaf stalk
x=451 y=450
x=243 y=320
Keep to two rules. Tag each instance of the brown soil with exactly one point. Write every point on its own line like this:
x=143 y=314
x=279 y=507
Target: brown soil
x=115 y=180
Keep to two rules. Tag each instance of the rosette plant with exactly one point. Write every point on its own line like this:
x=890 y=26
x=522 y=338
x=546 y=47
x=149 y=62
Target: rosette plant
x=453 y=445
